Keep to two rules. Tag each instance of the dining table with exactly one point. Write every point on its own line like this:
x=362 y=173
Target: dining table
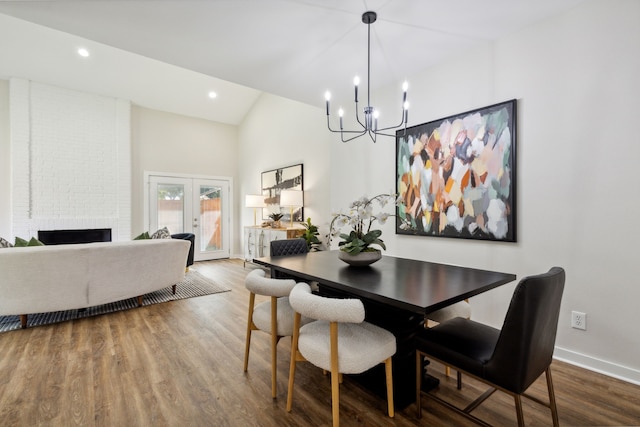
x=397 y=294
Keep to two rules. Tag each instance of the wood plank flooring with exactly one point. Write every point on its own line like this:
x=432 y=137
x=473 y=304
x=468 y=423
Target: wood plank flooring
x=180 y=364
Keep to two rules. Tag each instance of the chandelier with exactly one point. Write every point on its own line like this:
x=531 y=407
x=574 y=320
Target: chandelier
x=369 y=122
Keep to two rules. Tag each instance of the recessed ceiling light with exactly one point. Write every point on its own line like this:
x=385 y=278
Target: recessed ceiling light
x=83 y=52
x=213 y=95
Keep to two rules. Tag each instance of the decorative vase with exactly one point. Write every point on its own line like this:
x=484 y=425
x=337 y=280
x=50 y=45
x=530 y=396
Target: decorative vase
x=276 y=224
x=362 y=259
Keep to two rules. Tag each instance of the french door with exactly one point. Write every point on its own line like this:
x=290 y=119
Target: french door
x=192 y=205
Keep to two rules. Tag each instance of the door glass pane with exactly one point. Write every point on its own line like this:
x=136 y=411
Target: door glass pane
x=210 y=213
x=171 y=207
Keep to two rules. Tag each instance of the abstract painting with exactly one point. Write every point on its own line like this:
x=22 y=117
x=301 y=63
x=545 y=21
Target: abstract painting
x=276 y=180
x=457 y=176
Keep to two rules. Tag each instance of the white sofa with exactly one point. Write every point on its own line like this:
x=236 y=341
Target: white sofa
x=40 y=279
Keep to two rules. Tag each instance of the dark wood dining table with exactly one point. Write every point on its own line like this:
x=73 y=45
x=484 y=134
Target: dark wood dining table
x=397 y=294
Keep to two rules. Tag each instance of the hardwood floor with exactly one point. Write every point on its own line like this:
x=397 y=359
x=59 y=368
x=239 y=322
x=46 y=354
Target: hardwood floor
x=180 y=363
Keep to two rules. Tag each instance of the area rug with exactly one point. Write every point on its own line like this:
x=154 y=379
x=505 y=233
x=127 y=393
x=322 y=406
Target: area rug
x=193 y=285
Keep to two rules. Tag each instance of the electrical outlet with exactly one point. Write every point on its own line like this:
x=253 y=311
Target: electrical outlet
x=579 y=320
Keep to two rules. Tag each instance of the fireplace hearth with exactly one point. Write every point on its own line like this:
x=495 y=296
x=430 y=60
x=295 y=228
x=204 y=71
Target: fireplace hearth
x=65 y=237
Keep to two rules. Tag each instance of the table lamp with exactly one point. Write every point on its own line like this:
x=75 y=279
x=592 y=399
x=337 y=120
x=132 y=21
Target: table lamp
x=254 y=201
x=292 y=199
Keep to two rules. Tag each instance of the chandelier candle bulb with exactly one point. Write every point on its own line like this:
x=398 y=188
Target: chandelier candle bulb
x=356 y=82
x=327 y=96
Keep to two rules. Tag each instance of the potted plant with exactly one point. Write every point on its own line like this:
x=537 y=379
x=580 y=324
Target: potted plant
x=362 y=246
x=276 y=217
x=311 y=236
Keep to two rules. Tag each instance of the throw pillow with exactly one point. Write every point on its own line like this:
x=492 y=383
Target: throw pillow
x=21 y=243
x=142 y=236
x=5 y=244
x=35 y=242
x=163 y=233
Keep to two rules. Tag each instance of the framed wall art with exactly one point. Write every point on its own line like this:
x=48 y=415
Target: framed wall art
x=457 y=175
x=276 y=180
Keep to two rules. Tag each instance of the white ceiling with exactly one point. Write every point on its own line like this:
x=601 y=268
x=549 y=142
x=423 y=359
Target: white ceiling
x=239 y=48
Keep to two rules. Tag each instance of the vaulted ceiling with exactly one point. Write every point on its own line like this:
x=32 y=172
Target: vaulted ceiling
x=169 y=54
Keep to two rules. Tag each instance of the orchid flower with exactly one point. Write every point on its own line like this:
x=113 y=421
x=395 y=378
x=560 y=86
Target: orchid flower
x=360 y=220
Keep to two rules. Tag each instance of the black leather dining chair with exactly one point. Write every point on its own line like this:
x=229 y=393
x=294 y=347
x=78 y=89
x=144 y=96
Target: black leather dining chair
x=284 y=247
x=509 y=359
x=287 y=247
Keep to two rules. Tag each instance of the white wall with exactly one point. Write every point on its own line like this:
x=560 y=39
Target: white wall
x=276 y=133
x=575 y=78
x=167 y=142
x=5 y=163
x=70 y=160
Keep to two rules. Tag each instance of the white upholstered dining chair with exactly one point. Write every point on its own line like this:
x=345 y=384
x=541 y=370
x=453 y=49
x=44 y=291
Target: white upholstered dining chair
x=339 y=341
x=274 y=317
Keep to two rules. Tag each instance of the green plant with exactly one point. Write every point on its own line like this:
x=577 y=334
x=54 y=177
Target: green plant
x=276 y=216
x=311 y=235
x=360 y=218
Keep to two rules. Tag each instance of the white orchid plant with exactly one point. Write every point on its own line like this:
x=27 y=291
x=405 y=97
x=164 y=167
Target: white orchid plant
x=360 y=218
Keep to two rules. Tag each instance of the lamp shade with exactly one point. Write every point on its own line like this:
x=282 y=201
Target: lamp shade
x=254 y=201
x=292 y=198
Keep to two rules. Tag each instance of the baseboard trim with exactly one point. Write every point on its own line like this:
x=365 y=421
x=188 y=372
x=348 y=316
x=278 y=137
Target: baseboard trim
x=600 y=366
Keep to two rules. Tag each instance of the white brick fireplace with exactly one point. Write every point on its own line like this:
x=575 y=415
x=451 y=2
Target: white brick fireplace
x=70 y=160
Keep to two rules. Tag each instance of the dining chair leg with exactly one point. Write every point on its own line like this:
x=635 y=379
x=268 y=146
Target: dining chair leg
x=294 y=354
x=292 y=373
x=335 y=375
x=325 y=372
x=252 y=299
x=419 y=383
x=389 y=375
x=552 y=398
x=274 y=347
x=519 y=413
x=459 y=380
x=335 y=399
